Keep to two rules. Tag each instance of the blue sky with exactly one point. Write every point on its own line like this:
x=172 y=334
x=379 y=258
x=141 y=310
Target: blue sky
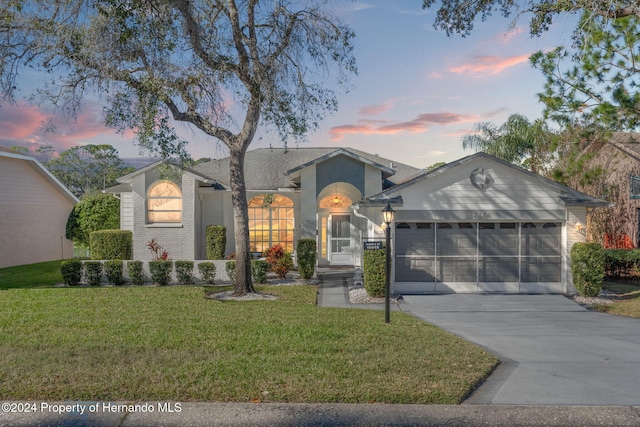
x=417 y=93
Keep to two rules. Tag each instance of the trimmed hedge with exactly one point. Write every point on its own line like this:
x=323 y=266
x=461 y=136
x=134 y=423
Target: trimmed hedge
x=184 y=272
x=72 y=272
x=231 y=271
x=306 y=254
x=111 y=244
x=161 y=271
x=136 y=272
x=113 y=270
x=259 y=270
x=93 y=272
x=374 y=274
x=216 y=241
x=207 y=272
x=587 y=266
x=622 y=262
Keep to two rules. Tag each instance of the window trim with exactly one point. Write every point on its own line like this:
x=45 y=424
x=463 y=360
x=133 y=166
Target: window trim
x=149 y=210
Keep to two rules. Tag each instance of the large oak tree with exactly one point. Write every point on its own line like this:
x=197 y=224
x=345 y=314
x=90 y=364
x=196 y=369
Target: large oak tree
x=225 y=67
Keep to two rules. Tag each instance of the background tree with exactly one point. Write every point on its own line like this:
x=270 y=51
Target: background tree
x=458 y=16
x=529 y=145
x=600 y=81
x=225 y=67
x=19 y=149
x=99 y=212
x=88 y=169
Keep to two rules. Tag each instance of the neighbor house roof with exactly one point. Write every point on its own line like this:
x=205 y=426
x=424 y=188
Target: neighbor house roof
x=569 y=196
x=273 y=168
x=42 y=171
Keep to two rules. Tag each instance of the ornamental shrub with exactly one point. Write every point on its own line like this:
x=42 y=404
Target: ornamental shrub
x=136 y=273
x=93 y=272
x=184 y=272
x=207 y=272
x=374 y=274
x=230 y=268
x=216 y=241
x=93 y=213
x=72 y=272
x=161 y=271
x=279 y=260
x=307 y=254
x=111 y=244
x=587 y=266
x=259 y=269
x=113 y=271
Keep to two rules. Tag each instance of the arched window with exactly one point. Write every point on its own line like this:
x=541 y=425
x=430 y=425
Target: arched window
x=271 y=222
x=335 y=201
x=164 y=202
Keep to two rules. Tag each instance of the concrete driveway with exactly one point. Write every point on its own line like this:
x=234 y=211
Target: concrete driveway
x=553 y=351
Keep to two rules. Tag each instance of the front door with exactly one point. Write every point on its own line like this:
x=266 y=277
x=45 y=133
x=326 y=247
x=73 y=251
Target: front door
x=341 y=250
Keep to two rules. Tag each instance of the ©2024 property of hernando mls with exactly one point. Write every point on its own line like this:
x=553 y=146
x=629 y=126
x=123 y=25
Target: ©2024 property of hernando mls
x=477 y=224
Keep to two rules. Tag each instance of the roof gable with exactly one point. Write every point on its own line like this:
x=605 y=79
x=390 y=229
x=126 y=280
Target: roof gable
x=483 y=181
x=42 y=171
x=344 y=152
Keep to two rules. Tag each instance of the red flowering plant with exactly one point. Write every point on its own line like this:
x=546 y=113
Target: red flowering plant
x=159 y=253
x=279 y=260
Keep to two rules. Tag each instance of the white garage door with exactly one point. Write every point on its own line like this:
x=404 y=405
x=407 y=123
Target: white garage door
x=478 y=257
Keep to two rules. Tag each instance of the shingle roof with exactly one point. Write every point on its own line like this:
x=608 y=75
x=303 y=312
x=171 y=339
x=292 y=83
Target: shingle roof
x=265 y=168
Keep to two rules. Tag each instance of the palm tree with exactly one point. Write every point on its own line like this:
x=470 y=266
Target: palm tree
x=529 y=145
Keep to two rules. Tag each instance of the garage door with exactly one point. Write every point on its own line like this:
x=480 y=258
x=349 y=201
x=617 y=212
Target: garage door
x=478 y=257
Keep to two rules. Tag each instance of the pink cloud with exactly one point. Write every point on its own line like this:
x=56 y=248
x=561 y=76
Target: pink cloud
x=23 y=124
x=373 y=110
x=481 y=65
x=418 y=125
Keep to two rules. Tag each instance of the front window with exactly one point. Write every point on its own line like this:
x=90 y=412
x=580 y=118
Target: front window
x=271 y=222
x=164 y=203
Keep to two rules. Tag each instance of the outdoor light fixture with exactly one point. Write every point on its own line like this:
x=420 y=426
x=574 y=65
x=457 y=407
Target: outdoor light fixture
x=387 y=215
x=578 y=226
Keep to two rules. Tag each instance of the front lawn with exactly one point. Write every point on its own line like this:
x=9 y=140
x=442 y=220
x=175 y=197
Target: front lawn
x=42 y=274
x=170 y=343
x=628 y=305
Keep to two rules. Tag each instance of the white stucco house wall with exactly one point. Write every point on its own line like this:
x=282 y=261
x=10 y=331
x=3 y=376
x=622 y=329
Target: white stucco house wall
x=478 y=224
x=34 y=207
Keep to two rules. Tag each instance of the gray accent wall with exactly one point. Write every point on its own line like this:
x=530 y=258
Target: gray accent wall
x=340 y=169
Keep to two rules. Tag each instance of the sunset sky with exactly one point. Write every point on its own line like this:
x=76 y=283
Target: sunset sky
x=417 y=93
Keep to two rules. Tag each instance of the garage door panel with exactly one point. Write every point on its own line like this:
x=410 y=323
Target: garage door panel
x=541 y=269
x=456 y=239
x=498 y=269
x=456 y=269
x=415 y=269
x=415 y=241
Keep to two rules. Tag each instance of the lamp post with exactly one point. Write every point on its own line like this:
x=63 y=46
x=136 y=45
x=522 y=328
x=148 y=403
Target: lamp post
x=387 y=215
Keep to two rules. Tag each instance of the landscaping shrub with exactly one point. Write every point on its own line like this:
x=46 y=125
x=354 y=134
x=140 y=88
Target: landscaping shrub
x=259 y=269
x=93 y=213
x=111 y=244
x=136 y=273
x=160 y=271
x=306 y=253
x=113 y=271
x=207 y=272
x=184 y=272
x=374 y=274
x=621 y=262
x=93 y=272
x=72 y=272
x=587 y=266
x=231 y=271
x=216 y=241
x=279 y=260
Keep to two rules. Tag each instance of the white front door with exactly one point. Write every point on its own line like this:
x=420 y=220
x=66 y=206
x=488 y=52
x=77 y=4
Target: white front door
x=341 y=248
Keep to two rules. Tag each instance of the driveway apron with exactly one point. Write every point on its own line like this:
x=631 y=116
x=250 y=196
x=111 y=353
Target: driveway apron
x=553 y=351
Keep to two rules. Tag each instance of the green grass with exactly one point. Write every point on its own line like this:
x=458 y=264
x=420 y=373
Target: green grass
x=629 y=305
x=170 y=343
x=43 y=274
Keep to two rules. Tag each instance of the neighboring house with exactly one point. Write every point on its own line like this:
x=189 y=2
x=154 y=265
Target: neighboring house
x=615 y=167
x=478 y=224
x=34 y=209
